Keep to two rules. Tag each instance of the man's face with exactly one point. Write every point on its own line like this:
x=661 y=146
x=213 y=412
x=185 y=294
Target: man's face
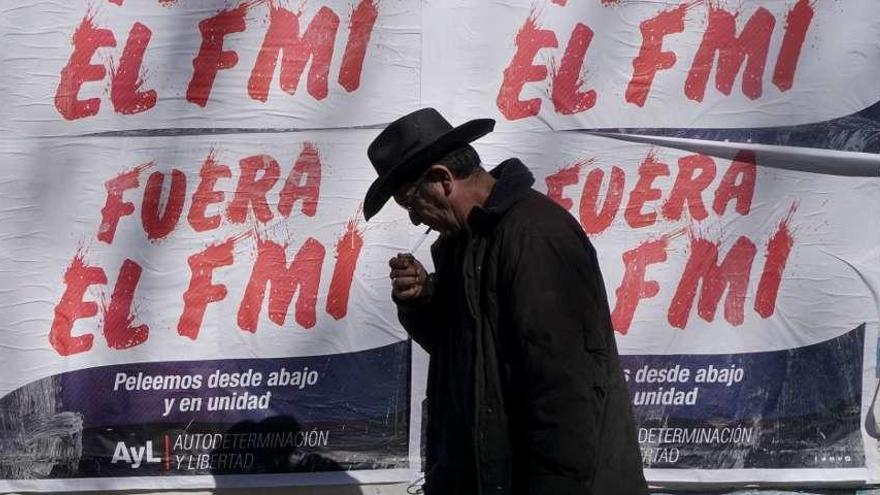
x=426 y=202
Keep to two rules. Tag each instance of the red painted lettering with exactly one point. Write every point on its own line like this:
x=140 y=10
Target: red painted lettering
x=211 y=57
x=556 y=183
x=79 y=69
x=778 y=250
x=307 y=166
x=634 y=287
x=348 y=249
x=202 y=290
x=738 y=183
x=118 y=318
x=114 y=207
x=797 y=22
x=360 y=29
x=732 y=274
x=303 y=275
x=251 y=192
x=283 y=36
x=158 y=225
x=205 y=195
x=126 y=83
x=652 y=58
x=77 y=279
x=596 y=221
x=720 y=37
x=643 y=192
x=689 y=189
x=566 y=94
x=529 y=40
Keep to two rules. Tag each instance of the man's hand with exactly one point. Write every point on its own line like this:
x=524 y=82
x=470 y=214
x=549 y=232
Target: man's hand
x=408 y=277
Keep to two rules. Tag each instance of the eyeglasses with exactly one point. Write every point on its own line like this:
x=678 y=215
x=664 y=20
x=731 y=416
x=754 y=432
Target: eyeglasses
x=406 y=201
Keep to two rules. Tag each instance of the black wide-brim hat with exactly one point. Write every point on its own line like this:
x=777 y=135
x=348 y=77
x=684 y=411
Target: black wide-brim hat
x=409 y=146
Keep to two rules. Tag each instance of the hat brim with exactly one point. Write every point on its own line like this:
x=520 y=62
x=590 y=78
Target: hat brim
x=383 y=188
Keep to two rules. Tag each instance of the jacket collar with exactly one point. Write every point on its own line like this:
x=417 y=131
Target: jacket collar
x=513 y=181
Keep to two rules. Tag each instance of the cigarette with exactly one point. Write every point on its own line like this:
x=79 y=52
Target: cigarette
x=420 y=241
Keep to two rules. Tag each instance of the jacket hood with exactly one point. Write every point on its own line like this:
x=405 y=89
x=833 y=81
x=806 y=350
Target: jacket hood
x=513 y=181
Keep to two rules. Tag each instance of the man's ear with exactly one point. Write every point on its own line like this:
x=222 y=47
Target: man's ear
x=443 y=176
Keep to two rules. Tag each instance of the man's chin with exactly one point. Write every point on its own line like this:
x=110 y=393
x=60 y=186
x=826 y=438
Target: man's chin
x=439 y=227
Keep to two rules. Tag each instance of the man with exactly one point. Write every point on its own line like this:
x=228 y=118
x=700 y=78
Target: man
x=525 y=392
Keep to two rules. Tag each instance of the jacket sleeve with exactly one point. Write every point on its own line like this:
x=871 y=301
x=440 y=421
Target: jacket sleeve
x=420 y=317
x=557 y=309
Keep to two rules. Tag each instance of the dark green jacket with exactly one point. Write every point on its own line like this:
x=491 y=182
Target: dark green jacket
x=532 y=358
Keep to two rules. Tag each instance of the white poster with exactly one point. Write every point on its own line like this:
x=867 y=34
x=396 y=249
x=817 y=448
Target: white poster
x=192 y=298
x=617 y=63
x=111 y=66
x=191 y=312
